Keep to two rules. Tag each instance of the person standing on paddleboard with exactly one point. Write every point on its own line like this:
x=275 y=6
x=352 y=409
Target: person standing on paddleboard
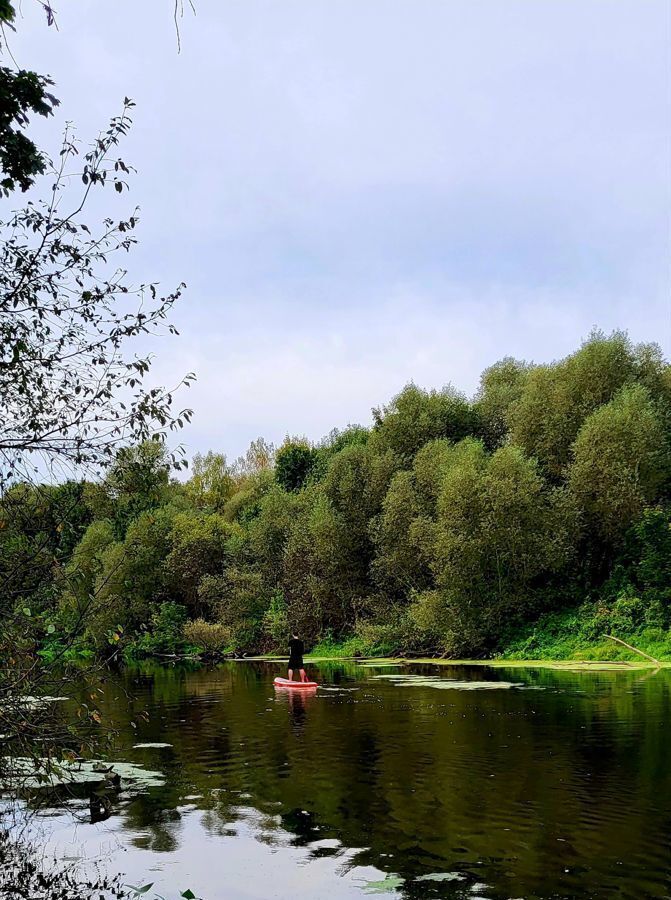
x=296 y=649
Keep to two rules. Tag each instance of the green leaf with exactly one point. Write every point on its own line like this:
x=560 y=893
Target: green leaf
x=51 y=629
x=140 y=890
x=26 y=611
x=189 y=894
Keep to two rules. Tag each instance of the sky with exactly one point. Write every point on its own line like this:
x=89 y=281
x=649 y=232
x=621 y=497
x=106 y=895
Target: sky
x=363 y=193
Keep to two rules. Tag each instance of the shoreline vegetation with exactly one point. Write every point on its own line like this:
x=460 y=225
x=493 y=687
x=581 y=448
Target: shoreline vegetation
x=530 y=522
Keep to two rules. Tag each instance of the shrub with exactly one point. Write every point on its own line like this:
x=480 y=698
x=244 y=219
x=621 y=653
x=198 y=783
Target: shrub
x=276 y=620
x=207 y=636
x=293 y=464
x=166 y=634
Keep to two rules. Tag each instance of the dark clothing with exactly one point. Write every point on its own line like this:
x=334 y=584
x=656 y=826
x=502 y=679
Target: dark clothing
x=296 y=649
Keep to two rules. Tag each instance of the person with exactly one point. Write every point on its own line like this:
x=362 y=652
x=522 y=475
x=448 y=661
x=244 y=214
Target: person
x=296 y=658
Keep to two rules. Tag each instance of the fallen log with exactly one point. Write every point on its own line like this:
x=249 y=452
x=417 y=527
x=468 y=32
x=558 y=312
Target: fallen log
x=633 y=649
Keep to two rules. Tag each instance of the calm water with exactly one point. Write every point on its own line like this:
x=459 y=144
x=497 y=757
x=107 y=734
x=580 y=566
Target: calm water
x=467 y=782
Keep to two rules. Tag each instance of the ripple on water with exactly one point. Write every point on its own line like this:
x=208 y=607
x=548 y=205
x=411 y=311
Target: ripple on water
x=447 y=683
x=463 y=781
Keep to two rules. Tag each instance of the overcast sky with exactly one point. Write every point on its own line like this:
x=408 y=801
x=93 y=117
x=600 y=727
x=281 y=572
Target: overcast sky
x=360 y=193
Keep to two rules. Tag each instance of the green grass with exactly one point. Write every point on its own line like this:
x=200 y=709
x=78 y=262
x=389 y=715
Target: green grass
x=580 y=634
x=354 y=646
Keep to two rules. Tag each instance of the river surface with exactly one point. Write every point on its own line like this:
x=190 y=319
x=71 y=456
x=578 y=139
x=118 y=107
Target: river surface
x=405 y=782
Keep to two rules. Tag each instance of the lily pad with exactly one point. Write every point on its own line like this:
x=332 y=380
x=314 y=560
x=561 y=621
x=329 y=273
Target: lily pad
x=151 y=745
x=23 y=774
x=37 y=702
x=387 y=885
x=441 y=876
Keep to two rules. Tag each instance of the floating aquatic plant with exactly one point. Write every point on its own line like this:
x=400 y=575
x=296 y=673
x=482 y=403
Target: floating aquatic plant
x=449 y=684
x=388 y=884
x=26 y=774
x=151 y=745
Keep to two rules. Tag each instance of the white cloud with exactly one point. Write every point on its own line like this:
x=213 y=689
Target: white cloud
x=360 y=194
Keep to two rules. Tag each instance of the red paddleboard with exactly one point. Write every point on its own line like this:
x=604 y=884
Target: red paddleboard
x=300 y=685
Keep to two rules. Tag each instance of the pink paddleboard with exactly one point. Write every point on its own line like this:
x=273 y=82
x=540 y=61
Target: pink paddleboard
x=299 y=685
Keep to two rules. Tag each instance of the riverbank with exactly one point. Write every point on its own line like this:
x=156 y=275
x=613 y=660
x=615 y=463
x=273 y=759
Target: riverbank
x=582 y=635
x=569 y=665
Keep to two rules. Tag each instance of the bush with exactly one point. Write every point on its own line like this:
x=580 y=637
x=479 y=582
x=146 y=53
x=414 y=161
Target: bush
x=166 y=635
x=293 y=464
x=276 y=620
x=206 y=636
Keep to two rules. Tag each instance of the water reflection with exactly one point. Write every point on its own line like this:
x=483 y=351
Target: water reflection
x=297 y=699
x=552 y=785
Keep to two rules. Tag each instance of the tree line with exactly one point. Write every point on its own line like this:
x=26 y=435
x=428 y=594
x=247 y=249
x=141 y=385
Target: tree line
x=445 y=527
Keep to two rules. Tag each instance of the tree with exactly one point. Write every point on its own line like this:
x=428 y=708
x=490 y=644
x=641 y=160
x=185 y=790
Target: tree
x=72 y=392
x=198 y=548
x=621 y=462
x=397 y=567
x=499 y=530
x=556 y=399
x=86 y=564
x=501 y=386
x=238 y=603
x=293 y=464
x=415 y=416
x=133 y=580
x=355 y=486
x=404 y=528
x=315 y=578
x=267 y=533
x=22 y=93
x=137 y=481
x=259 y=457
x=212 y=483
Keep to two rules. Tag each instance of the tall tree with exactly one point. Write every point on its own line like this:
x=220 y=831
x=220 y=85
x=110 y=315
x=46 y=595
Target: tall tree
x=622 y=462
x=72 y=384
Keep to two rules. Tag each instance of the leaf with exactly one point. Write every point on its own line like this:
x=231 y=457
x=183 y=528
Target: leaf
x=189 y=894
x=140 y=890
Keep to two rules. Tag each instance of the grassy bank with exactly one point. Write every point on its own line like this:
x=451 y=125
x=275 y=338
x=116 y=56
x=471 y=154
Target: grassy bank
x=582 y=634
x=573 y=635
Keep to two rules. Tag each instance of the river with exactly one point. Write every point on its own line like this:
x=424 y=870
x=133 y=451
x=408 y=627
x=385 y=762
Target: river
x=415 y=781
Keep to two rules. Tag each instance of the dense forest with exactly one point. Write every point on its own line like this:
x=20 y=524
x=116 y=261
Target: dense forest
x=532 y=520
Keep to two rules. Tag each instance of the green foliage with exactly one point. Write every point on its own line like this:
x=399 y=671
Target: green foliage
x=276 y=620
x=451 y=527
x=501 y=386
x=556 y=399
x=245 y=505
x=293 y=464
x=165 y=635
x=137 y=481
x=649 y=552
x=198 y=549
x=207 y=637
x=237 y=602
x=579 y=633
x=21 y=93
x=499 y=529
x=621 y=460
x=415 y=416
x=212 y=483
x=133 y=580
x=86 y=565
x=397 y=566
